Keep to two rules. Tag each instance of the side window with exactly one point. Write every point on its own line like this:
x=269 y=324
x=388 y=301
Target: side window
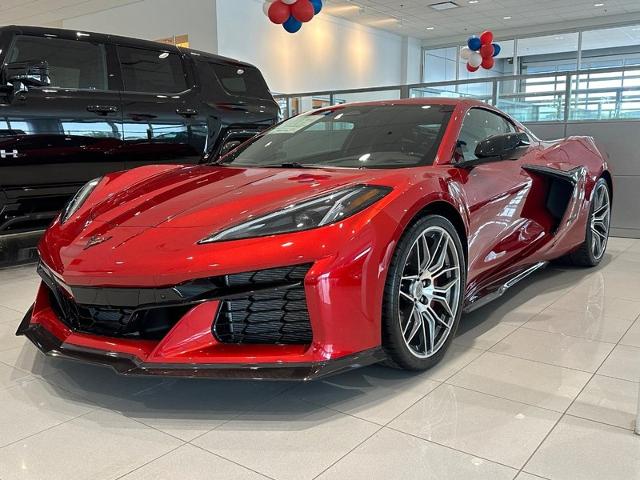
x=238 y=80
x=480 y=124
x=74 y=64
x=152 y=71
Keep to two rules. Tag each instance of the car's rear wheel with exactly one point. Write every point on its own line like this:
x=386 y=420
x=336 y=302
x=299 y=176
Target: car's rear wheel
x=592 y=250
x=423 y=294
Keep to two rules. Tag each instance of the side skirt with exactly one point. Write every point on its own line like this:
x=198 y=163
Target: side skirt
x=498 y=289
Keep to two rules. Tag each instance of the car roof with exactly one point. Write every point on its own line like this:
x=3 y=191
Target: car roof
x=103 y=37
x=453 y=102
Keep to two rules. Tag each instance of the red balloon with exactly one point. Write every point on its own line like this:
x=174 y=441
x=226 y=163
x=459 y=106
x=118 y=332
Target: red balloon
x=279 y=12
x=303 y=10
x=472 y=68
x=488 y=63
x=487 y=51
x=486 y=38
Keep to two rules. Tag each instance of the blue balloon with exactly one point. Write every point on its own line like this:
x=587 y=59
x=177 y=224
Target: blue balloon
x=292 y=25
x=317 y=6
x=474 y=43
x=496 y=49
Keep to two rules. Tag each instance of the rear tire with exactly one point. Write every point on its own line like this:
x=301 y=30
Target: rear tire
x=591 y=252
x=423 y=294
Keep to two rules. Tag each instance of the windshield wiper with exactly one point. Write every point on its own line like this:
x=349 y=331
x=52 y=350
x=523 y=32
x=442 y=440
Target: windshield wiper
x=290 y=165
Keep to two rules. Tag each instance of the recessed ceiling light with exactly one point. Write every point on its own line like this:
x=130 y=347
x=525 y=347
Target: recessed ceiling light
x=431 y=28
x=444 y=5
x=472 y=2
x=506 y=18
x=598 y=4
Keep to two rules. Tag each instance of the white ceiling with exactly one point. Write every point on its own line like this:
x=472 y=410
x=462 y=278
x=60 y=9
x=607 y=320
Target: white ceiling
x=51 y=12
x=415 y=18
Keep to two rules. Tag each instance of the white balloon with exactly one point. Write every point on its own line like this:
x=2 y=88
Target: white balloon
x=267 y=6
x=289 y=2
x=475 y=60
x=465 y=53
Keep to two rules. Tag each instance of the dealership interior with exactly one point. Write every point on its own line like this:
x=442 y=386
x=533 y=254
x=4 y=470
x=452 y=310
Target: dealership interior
x=542 y=382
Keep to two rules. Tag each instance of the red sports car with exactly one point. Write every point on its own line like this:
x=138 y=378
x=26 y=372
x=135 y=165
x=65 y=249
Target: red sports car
x=339 y=238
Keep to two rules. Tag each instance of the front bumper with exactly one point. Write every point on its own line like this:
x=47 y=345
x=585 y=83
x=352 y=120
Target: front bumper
x=127 y=364
x=191 y=347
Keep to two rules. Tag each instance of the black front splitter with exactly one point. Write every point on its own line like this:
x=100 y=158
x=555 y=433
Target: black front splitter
x=125 y=364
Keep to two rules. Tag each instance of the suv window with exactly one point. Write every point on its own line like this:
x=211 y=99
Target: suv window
x=151 y=70
x=73 y=64
x=480 y=124
x=239 y=80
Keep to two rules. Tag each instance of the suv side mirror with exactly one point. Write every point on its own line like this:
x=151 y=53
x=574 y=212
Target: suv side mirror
x=28 y=74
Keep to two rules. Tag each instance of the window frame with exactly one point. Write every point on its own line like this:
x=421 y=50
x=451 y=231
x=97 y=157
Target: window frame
x=188 y=81
x=108 y=63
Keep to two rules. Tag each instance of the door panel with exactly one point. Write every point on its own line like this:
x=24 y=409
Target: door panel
x=68 y=132
x=164 y=127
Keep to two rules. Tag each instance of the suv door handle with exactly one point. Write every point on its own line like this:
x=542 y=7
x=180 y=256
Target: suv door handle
x=103 y=109
x=187 y=112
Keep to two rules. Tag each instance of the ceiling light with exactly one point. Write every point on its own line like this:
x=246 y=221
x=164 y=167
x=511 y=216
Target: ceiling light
x=444 y=5
x=598 y=4
x=473 y=2
x=506 y=18
x=431 y=28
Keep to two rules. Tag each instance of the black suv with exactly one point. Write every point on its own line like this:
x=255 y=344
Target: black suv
x=76 y=105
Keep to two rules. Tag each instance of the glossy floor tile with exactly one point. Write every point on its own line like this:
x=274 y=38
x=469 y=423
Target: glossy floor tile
x=586 y=450
x=515 y=397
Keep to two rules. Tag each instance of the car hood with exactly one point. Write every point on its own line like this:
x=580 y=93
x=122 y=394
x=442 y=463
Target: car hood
x=216 y=197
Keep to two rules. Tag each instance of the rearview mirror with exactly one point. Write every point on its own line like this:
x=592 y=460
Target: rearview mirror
x=28 y=74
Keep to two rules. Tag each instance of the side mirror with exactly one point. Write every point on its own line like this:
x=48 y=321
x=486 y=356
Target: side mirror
x=497 y=147
x=28 y=74
x=501 y=146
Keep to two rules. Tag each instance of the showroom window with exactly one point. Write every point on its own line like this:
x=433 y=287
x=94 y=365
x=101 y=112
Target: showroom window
x=72 y=64
x=151 y=71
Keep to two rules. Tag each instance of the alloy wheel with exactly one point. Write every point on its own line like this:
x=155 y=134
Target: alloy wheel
x=600 y=220
x=429 y=292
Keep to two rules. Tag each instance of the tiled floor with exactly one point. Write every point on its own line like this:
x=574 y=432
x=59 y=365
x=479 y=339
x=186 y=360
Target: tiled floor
x=542 y=383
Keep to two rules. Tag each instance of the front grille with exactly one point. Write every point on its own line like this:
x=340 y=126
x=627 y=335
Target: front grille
x=278 y=316
x=147 y=324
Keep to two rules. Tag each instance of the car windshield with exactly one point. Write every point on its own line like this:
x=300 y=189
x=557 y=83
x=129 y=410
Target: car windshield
x=366 y=136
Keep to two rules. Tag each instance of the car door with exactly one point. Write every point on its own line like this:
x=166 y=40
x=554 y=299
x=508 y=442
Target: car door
x=496 y=193
x=69 y=131
x=161 y=108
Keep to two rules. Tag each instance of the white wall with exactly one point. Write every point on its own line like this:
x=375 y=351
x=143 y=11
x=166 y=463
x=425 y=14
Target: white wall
x=327 y=54
x=154 y=19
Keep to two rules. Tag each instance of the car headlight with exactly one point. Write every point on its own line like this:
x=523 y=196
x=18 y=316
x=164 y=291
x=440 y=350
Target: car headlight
x=313 y=213
x=78 y=199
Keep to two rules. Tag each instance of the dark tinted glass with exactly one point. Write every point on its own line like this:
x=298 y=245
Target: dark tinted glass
x=480 y=124
x=151 y=71
x=73 y=64
x=380 y=136
x=239 y=80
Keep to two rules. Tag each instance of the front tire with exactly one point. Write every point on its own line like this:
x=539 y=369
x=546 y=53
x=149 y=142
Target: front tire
x=592 y=250
x=423 y=294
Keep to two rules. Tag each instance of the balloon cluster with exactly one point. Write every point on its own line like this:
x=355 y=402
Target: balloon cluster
x=479 y=52
x=291 y=14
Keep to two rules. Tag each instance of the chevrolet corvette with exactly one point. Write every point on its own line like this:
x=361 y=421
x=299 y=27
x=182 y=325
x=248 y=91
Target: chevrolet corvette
x=346 y=236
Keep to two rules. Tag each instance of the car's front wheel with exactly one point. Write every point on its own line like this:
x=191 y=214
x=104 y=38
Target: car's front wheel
x=423 y=294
